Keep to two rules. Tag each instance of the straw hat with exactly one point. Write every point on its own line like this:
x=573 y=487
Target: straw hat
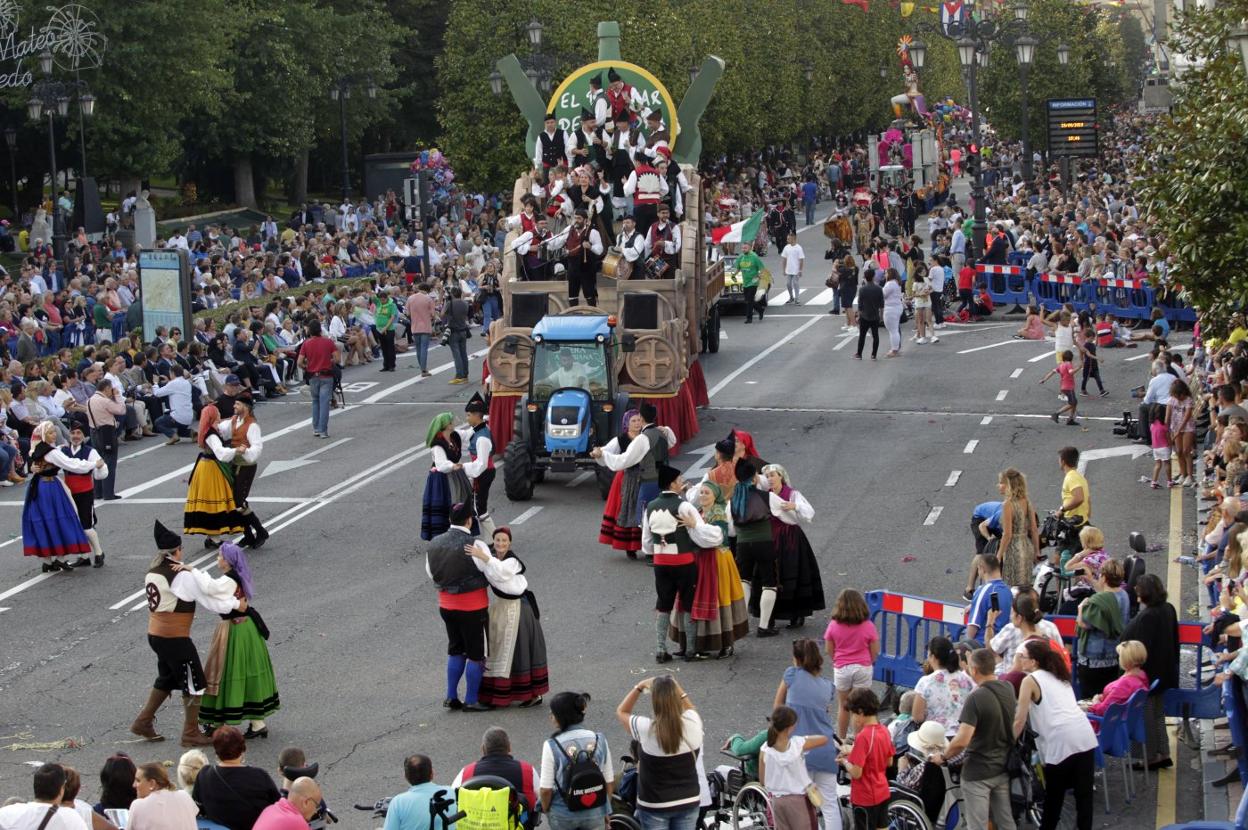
x=928 y=738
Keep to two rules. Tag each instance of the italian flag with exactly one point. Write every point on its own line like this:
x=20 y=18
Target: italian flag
x=743 y=231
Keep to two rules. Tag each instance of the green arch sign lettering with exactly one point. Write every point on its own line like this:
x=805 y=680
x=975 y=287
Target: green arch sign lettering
x=573 y=94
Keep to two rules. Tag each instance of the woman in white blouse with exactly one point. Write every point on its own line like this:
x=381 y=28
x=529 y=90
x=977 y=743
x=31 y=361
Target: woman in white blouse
x=244 y=443
x=800 y=585
x=515 y=671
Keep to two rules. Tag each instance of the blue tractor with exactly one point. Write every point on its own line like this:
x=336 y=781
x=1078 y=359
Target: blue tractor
x=572 y=404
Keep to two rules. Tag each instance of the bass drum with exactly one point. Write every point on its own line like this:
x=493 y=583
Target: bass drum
x=611 y=265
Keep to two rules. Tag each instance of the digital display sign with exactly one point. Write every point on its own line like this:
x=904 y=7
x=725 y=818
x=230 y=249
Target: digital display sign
x=1072 y=127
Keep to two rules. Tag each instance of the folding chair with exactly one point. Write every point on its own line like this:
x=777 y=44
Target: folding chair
x=1113 y=741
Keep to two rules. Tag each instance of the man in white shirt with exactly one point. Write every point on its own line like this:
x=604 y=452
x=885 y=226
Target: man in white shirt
x=181 y=413
x=46 y=811
x=794 y=261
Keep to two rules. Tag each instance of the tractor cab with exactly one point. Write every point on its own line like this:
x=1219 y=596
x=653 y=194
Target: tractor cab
x=571 y=406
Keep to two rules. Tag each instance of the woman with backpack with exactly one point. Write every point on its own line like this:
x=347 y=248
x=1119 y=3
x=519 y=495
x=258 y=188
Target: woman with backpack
x=576 y=775
x=669 y=787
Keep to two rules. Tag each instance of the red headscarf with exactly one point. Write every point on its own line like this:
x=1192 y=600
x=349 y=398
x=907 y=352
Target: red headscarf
x=207 y=417
x=747 y=440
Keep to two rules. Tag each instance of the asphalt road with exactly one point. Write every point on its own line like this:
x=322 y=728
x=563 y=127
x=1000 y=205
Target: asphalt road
x=892 y=454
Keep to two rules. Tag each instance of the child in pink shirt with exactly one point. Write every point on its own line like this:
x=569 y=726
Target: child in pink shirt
x=1066 y=370
x=1160 y=435
x=852 y=644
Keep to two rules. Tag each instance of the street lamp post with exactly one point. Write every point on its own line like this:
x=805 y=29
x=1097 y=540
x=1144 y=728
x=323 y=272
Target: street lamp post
x=53 y=97
x=10 y=138
x=1025 y=47
x=341 y=92
x=1239 y=40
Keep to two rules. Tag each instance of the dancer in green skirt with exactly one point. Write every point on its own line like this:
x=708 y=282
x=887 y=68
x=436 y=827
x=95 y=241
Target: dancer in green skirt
x=241 y=686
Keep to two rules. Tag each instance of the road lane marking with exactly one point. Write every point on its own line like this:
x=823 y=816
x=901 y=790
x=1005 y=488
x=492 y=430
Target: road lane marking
x=970 y=446
x=923 y=413
x=824 y=297
x=989 y=346
x=933 y=515
x=736 y=373
x=580 y=478
x=1016 y=373
x=526 y=515
x=403 y=384
x=987 y=419
x=1041 y=357
x=783 y=297
x=175 y=500
x=845 y=341
x=1001 y=395
x=953 y=478
x=1167 y=778
x=1143 y=355
x=281 y=465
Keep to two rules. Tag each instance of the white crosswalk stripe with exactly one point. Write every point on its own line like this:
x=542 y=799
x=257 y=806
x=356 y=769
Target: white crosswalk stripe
x=783 y=297
x=824 y=297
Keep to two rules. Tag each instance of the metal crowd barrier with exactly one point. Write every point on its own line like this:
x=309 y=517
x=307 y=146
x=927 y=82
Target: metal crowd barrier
x=1127 y=298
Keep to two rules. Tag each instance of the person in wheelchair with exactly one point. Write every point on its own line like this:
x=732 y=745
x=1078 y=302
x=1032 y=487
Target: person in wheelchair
x=496 y=761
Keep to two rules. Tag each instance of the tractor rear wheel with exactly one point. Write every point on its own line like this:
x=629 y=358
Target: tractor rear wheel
x=518 y=471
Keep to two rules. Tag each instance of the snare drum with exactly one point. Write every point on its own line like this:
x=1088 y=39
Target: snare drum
x=656 y=268
x=611 y=265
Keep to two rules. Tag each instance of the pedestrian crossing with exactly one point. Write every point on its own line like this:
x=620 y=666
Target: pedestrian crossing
x=804 y=297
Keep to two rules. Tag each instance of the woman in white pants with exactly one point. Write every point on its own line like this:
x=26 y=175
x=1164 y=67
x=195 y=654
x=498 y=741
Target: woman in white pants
x=892 y=311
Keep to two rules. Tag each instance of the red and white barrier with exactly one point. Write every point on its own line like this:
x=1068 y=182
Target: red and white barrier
x=928 y=609
x=1010 y=270
x=1061 y=279
x=1114 y=282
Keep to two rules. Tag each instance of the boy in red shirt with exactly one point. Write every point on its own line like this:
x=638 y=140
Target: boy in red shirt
x=1066 y=369
x=966 y=288
x=867 y=760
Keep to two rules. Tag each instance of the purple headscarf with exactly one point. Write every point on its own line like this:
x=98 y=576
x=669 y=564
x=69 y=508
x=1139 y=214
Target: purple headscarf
x=237 y=561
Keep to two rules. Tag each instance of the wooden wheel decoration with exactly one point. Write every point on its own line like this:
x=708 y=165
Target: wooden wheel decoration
x=653 y=364
x=511 y=370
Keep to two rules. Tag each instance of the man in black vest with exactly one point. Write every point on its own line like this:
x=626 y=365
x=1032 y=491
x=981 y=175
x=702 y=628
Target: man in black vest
x=671 y=532
x=463 y=603
x=550 y=149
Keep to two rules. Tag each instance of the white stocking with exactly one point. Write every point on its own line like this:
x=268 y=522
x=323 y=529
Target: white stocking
x=766 y=605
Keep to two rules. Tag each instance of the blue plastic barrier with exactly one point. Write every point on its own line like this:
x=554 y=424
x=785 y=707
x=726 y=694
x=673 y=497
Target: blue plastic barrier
x=1006 y=284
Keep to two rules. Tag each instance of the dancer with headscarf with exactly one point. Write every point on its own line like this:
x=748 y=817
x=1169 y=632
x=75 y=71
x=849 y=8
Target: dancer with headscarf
x=620 y=528
x=245 y=445
x=719 y=614
x=82 y=488
x=637 y=453
x=801 y=586
x=447 y=484
x=515 y=668
x=743 y=447
x=210 y=509
x=51 y=528
x=241 y=686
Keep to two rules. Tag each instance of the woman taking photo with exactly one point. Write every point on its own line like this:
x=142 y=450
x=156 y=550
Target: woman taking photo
x=1020 y=535
x=892 y=311
x=1064 y=735
x=801 y=586
x=805 y=691
x=1100 y=622
x=668 y=785
x=515 y=671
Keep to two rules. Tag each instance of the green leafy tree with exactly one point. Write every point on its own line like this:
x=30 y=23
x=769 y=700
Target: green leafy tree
x=1195 y=187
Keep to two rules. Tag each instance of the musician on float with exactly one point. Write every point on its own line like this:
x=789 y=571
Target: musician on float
x=657 y=134
x=585 y=143
x=531 y=250
x=583 y=250
x=585 y=193
x=647 y=188
x=631 y=247
x=625 y=143
x=677 y=184
x=624 y=99
x=597 y=101
x=663 y=243
x=550 y=150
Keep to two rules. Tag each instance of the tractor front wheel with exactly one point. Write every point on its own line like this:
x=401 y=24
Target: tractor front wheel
x=518 y=471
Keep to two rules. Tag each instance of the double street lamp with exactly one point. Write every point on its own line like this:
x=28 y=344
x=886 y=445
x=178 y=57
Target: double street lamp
x=974 y=40
x=539 y=67
x=53 y=97
x=341 y=92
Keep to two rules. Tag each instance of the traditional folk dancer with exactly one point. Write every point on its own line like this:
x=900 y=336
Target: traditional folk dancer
x=723 y=474
x=241 y=687
x=480 y=468
x=173 y=589
x=647 y=189
x=245 y=445
x=515 y=671
x=801 y=586
x=463 y=605
x=583 y=250
x=82 y=488
x=210 y=509
x=585 y=193
x=671 y=531
x=51 y=527
x=720 y=617
x=447 y=484
x=756 y=555
x=663 y=242
x=648 y=451
x=620 y=528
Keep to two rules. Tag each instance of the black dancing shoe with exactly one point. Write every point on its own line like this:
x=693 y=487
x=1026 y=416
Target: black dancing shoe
x=99 y=561
x=252 y=734
x=689 y=656
x=529 y=704
x=766 y=632
x=726 y=652
x=796 y=623
x=50 y=567
x=662 y=657
x=477 y=707
x=453 y=704
x=81 y=562
x=211 y=543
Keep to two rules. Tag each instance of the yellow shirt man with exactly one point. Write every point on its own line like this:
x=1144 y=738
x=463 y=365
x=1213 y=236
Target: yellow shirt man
x=1074 y=480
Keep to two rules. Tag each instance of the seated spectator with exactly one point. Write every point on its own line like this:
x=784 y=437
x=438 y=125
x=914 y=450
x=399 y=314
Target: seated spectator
x=1131 y=658
x=46 y=810
x=230 y=792
x=294 y=811
x=189 y=766
x=410 y=810
x=496 y=760
x=73 y=785
x=160 y=805
x=117 y=790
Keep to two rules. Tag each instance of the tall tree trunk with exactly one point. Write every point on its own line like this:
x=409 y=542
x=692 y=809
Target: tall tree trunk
x=301 y=179
x=244 y=182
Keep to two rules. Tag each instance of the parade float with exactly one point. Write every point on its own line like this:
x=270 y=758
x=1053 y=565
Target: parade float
x=655 y=328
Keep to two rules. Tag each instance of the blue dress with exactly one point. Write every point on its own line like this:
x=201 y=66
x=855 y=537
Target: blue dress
x=810 y=696
x=50 y=523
